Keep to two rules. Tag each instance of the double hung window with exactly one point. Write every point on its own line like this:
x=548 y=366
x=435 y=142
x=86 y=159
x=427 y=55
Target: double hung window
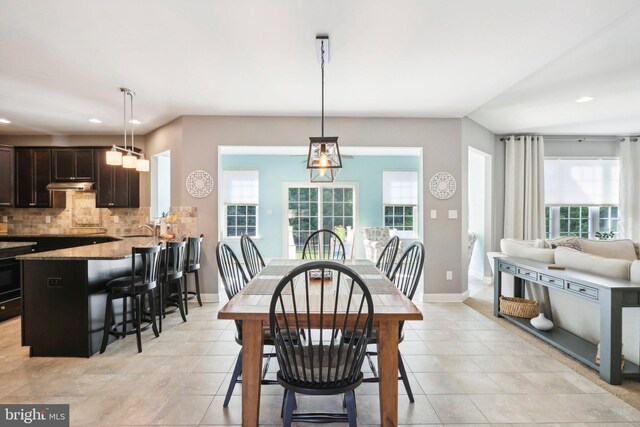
x=581 y=197
x=241 y=197
x=400 y=202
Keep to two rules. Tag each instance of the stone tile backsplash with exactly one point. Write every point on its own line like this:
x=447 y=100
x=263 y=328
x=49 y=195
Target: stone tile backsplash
x=82 y=217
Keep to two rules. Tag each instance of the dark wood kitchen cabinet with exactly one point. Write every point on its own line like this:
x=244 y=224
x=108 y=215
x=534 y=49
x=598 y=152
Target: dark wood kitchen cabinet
x=33 y=173
x=116 y=187
x=7 y=183
x=72 y=164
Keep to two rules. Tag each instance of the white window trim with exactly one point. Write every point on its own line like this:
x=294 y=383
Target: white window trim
x=226 y=232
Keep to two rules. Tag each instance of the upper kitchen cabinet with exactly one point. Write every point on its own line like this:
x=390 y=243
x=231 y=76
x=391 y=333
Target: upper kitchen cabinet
x=116 y=187
x=7 y=186
x=33 y=173
x=71 y=164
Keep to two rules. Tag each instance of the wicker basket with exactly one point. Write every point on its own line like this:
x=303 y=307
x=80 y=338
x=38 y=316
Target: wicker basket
x=519 y=307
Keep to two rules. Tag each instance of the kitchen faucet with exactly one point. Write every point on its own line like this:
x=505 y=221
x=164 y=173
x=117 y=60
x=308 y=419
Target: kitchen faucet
x=154 y=230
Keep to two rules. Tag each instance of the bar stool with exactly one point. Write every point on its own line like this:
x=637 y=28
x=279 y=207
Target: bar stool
x=192 y=266
x=172 y=273
x=141 y=282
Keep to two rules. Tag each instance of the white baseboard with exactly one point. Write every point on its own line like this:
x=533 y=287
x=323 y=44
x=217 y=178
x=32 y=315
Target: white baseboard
x=210 y=297
x=446 y=297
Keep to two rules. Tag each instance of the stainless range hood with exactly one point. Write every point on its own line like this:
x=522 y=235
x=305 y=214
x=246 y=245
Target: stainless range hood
x=70 y=186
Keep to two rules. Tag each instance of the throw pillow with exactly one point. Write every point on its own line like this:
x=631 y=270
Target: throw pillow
x=569 y=243
x=540 y=243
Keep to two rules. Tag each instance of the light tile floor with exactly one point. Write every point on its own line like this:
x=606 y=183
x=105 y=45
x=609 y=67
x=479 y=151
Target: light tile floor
x=464 y=370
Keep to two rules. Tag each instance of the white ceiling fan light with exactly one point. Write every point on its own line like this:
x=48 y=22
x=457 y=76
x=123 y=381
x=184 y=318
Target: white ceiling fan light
x=95 y=120
x=584 y=99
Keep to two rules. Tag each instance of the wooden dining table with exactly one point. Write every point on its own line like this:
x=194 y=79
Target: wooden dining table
x=251 y=307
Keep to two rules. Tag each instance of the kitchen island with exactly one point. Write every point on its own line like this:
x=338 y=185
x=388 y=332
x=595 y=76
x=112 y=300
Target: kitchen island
x=64 y=302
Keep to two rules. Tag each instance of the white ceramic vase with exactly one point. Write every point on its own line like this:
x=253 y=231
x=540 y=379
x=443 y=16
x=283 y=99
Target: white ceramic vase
x=541 y=323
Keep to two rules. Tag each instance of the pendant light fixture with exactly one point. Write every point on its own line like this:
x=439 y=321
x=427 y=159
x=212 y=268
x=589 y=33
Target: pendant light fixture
x=131 y=159
x=324 y=161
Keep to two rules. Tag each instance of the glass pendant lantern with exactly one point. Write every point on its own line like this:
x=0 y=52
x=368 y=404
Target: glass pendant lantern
x=324 y=160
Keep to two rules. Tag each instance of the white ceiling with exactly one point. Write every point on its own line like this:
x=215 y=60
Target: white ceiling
x=512 y=64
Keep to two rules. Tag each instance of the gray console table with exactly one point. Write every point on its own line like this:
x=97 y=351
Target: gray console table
x=612 y=296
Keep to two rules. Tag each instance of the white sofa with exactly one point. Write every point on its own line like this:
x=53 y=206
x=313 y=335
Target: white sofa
x=375 y=239
x=619 y=259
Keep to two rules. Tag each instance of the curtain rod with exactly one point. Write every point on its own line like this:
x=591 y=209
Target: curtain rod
x=577 y=138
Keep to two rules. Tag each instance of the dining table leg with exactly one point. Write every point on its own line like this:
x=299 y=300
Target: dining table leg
x=388 y=372
x=252 y=342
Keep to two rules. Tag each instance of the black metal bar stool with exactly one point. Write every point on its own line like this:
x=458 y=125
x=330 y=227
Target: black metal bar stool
x=142 y=282
x=172 y=274
x=192 y=266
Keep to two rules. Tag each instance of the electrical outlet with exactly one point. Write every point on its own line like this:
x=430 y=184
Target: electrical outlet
x=116 y=219
x=47 y=219
x=453 y=214
x=5 y=218
x=434 y=214
x=269 y=211
x=449 y=275
x=54 y=282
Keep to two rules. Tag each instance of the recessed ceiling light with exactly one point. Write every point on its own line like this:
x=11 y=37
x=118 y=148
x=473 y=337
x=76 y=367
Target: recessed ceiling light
x=135 y=122
x=584 y=99
x=5 y=121
x=96 y=121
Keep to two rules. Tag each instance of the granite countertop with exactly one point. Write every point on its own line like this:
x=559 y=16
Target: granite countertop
x=11 y=245
x=78 y=235
x=120 y=249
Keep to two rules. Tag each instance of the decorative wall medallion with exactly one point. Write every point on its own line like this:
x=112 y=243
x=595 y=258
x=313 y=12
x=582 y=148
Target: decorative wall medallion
x=442 y=185
x=199 y=184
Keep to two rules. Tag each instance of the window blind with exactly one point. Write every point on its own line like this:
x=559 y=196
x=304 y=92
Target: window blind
x=400 y=188
x=241 y=187
x=581 y=182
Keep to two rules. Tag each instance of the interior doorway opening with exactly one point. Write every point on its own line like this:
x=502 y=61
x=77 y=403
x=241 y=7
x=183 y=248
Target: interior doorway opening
x=479 y=217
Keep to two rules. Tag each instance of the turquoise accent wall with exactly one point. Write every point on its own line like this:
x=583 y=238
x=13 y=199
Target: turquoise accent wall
x=365 y=171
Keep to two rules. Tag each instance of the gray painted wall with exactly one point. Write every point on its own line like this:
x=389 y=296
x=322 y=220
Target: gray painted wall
x=194 y=141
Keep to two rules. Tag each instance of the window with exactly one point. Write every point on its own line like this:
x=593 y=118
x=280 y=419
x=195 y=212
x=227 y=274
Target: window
x=241 y=195
x=400 y=201
x=241 y=219
x=581 y=197
x=399 y=217
x=574 y=221
x=608 y=219
x=313 y=208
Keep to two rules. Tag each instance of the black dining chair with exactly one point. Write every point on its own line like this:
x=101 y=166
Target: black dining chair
x=192 y=266
x=253 y=261
x=323 y=244
x=388 y=256
x=172 y=274
x=234 y=280
x=323 y=362
x=142 y=281
x=406 y=277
